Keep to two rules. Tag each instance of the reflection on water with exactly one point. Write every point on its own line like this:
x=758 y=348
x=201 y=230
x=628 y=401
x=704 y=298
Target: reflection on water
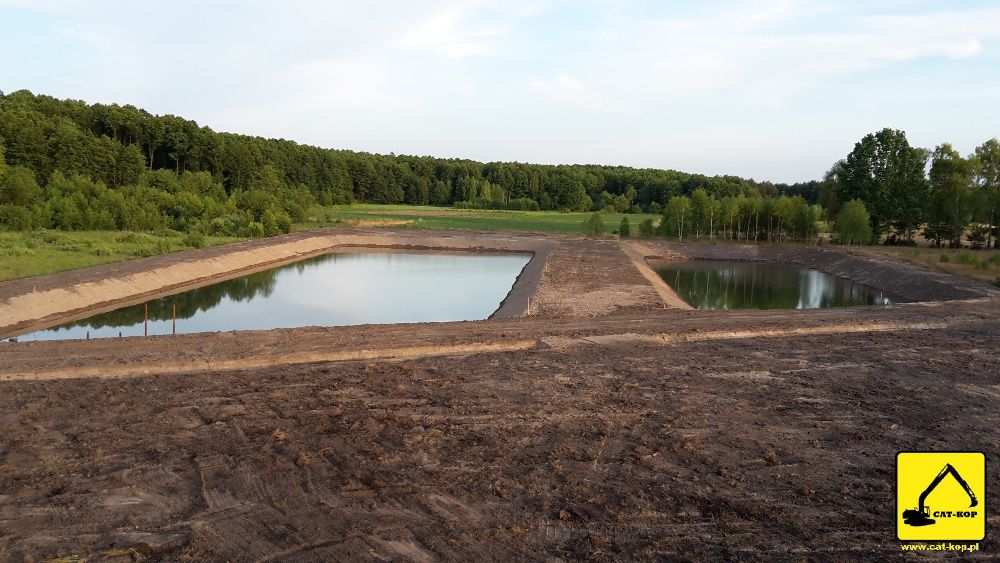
x=718 y=284
x=329 y=290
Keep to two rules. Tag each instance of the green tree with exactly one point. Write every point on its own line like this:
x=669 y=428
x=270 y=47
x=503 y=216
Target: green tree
x=951 y=196
x=594 y=225
x=624 y=230
x=18 y=187
x=853 y=223
x=676 y=216
x=988 y=182
x=886 y=173
x=701 y=210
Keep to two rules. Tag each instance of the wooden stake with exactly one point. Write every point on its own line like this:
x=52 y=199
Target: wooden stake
x=145 y=322
x=175 y=318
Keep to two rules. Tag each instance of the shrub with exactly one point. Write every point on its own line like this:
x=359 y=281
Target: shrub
x=624 y=230
x=967 y=258
x=103 y=251
x=853 y=223
x=944 y=257
x=135 y=238
x=194 y=240
x=52 y=237
x=646 y=229
x=15 y=218
x=594 y=225
x=16 y=251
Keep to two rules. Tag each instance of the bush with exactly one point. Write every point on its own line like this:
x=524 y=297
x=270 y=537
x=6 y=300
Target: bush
x=15 y=218
x=135 y=238
x=15 y=251
x=646 y=229
x=103 y=251
x=624 y=230
x=194 y=240
x=945 y=257
x=52 y=237
x=594 y=225
x=853 y=223
x=967 y=258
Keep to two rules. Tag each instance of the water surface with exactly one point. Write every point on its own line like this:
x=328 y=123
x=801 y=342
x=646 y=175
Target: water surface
x=723 y=284
x=329 y=290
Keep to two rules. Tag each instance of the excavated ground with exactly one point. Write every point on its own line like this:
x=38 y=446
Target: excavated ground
x=602 y=426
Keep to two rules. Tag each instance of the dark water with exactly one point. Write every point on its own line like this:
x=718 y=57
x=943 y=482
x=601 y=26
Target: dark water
x=719 y=284
x=330 y=290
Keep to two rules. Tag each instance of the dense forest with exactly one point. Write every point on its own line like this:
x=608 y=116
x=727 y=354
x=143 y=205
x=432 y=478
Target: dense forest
x=71 y=165
x=68 y=165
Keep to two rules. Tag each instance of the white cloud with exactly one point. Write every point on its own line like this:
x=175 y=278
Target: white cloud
x=450 y=33
x=758 y=52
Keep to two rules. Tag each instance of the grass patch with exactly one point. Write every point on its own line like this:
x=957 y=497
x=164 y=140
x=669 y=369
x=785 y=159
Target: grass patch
x=43 y=252
x=427 y=217
x=976 y=264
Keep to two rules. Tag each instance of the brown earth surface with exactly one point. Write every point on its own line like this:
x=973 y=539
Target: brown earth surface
x=604 y=427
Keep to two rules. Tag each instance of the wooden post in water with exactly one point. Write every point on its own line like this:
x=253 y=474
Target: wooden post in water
x=175 y=318
x=88 y=335
x=145 y=322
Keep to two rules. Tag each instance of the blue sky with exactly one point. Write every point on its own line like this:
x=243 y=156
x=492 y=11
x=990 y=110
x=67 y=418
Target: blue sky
x=774 y=90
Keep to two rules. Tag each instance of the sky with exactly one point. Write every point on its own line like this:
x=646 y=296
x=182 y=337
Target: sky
x=768 y=89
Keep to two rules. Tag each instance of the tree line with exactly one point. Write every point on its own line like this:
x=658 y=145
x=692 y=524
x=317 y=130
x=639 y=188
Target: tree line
x=65 y=164
x=72 y=165
x=883 y=187
x=906 y=189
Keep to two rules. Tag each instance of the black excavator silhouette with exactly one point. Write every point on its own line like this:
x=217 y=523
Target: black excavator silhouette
x=920 y=516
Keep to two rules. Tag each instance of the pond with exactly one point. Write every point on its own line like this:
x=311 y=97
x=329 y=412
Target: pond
x=328 y=290
x=721 y=284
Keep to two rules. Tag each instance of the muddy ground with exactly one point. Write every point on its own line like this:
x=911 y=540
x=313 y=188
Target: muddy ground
x=614 y=431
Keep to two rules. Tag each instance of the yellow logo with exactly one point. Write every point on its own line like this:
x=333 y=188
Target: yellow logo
x=940 y=496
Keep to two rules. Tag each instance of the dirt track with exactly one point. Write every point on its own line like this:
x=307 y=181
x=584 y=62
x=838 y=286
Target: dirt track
x=608 y=430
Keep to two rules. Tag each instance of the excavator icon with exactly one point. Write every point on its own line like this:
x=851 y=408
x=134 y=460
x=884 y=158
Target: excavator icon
x=920 y=516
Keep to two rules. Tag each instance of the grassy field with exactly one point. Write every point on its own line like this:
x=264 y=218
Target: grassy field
x=43 y=252
x=446 y=218
x=983 y=265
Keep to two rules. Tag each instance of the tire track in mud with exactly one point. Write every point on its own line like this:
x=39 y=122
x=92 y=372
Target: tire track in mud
x=145 y=367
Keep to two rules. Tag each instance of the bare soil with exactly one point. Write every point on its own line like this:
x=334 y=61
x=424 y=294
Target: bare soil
x=615 y=430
